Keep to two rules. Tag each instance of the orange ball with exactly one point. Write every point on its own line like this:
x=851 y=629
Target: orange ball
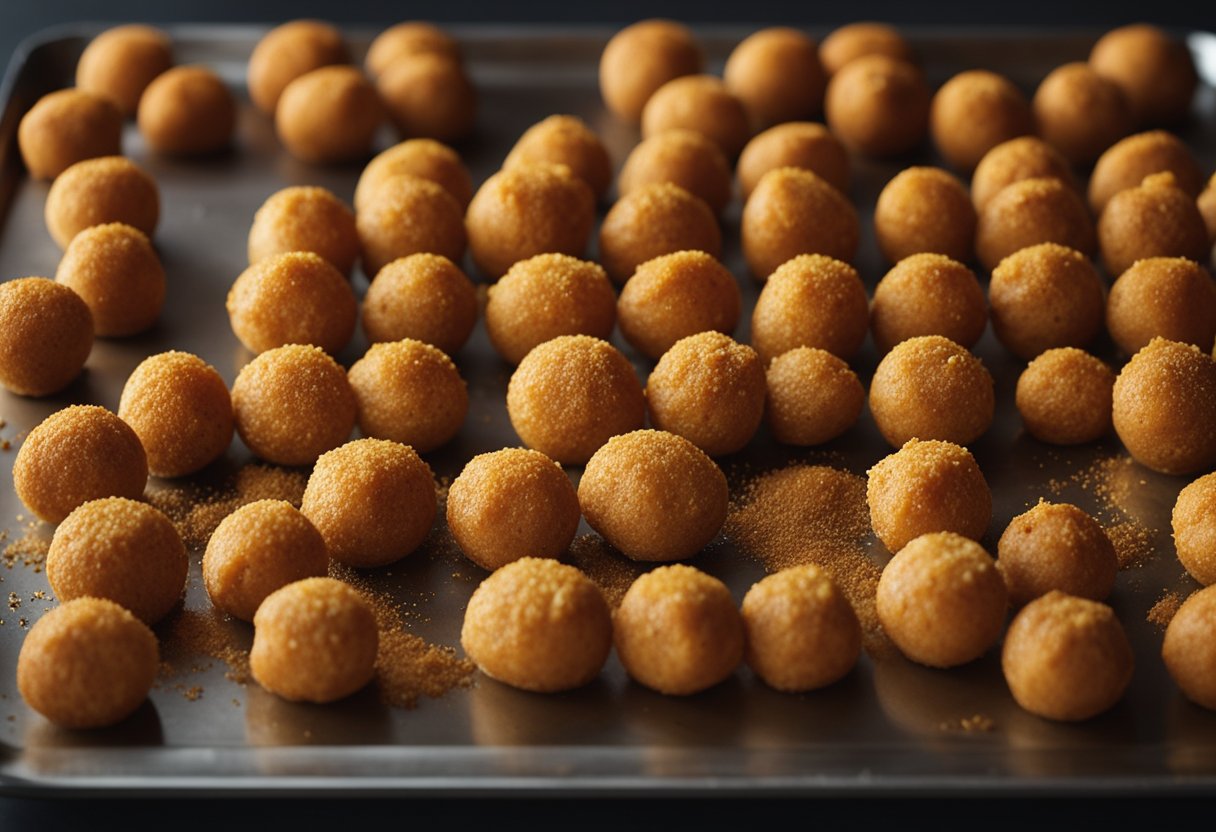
x=811 y=301
x=565 y=140
x=928 y=294
x=1026 y=157
x=974 y=112
x=408 y=215
x=423 y=296
x=187 y=111
x=925 y=209
x=329 y=115
x=1154 y=70
x=119 y=64
x=793 y=212
x=288 y=51
x=777 y=75
x=66 y=127
x=429 y=95
x=859 y=39
x=46 y=334
x=702 y=103
x=643 y=57
x=305 y=219
x=681 y=157
x=102 y=190
x=424 y=158
x=404 y=39
x=795 y=144
x=652 y=221
x=878 y=105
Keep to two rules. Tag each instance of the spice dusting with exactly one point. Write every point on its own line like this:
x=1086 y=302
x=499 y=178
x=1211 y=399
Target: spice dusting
x=607 y=568
x=1163 y=612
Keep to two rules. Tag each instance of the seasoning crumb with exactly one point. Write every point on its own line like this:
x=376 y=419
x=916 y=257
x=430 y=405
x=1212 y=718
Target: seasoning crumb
x=607 y=568
x=22 y=623
x=1162 y=612
x=28 y=550
x=189 y=634
x=974 y=724
x=1133 y=544
x=14 y=601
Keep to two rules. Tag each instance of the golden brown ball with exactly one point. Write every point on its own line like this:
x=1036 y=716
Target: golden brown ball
x=424 y=158
x=409 y=215
x=878 y=105
x=1154 y=70
x=674 y=296
x=928 y=294
x=1064 y=397
x=643 y=57
x=119 y=64
x=975 y=111
x=408 y=38
x=287 y=52
x=1056 y=546
x=654 y=220
x=1029 y=212
x=187 y=111
x=1026 y=157
x=681 y=157
x=305 y=218
x=795 y=144
x=46 y=334
x=1170 y=297
x=1188 y=648
x=423 y=296
x=1125 y=164
x=565 y=140
x=293 y=298
x=813 y=397
x=1155 y=219
x=115 y=271
x=329 y=115
x=856 y=40
x=925 y=209
x=409 y=392
x=66 y=127
x=1194 y=526
x=777 y=75
x=793 y=212
x=811 y=301
x=429 y=95
x=1081 y=113
x=702 y=103
x=97 y=191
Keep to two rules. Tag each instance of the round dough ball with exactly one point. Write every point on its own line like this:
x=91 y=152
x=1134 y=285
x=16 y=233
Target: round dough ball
x=424 y=158
x=429 y=95
x=87 y=663
x=572 y=394
x=678 y=631
x=293 y=298
x=303 y=218
x=422 y=296
x=1045 y=296
x=404 y=39
x=975 y=111
x=292 y=404
x=119 y=64
x=329 y=115
x=122 y=550
x=179 y=407
x=1066 y=658
x=878 y=105
x=187 y=111
x=1155 y=72
x=1029 y=212
x=1170 y=297
x=795 y=144
x=928 y=294
x=1126 y=163
x=925 y=210
x=512 y=504
x=259 y=548
x=46 y=334
x=1081 y=113
x=702 y=103
x=856 y=40
x=103 y=190
x=115 y=271
x=674 y=296
x=409 y=392
x=66 y=127
x=408 y=215
x=287 y=52
x=643 y=57
x=681 y=157
x=813 y=397
x=1207 y=208
x=1194 y=525
x=793 y=212
x=538 y=625
x=777 y=75
x=1064 y=397
x=654 y=220
x=811 y=301
x=314 y=640
x=1188 y=648
x=565 y=140
x=1156 y=219
x=1026 y=157
x=1056 y=546
x=75 y=455
x=927 y=487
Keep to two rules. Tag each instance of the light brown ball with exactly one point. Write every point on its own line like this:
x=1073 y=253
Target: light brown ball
x=119 y=64
x=66 y=127
x=303 y=218
x=424 y=158
x=1026 y=157
x=643 y=57
x=179 y=407
x=1081 y=113
x=187 y=111
x=856 y=40
x=925 y=209
x=1170 y=297
x=975 y=111
x=674 y=296
x=408 y=215
x=793 y=212
x=813 y=397
x=404 y=39
x=777 y=75
x=678 y=631
x=795 y=144
x=423 y=296
x=681 y=157
x=329 y=115
x=1045 y=296
x=287 y=52
x=565 y=140
x=1155 y=219
x=928 y=294
x=1056 y=546
x=702 y=103
x=1125 y=164
x=1155 y=72
x=654 y=220
x=1188 y=648
x=115 y=271
x=1207 y=208
x=1029 y=212
x=409 y=392
x=75 y=455
x=1064 y=397
x=429 y=95
x=46 y=334
x=811 y=301
x=1194 y=526
x=878 y=105
x=103 y=190
x=87 y=663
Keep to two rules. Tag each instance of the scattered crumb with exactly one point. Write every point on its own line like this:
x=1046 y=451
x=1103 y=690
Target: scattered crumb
x=1133 y=544
x=1162 y=612
x=611 y=571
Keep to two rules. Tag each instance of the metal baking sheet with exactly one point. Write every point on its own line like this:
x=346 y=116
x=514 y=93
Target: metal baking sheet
x=889 y=727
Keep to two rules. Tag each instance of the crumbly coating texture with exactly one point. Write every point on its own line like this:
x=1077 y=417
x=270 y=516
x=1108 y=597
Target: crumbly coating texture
x=512 y=504
x=409 y=215
x=293 y=404
x=1164 y=407
x=180 y=408
x=97 y=191
x=1064 y=397
x=927 y=487
x=408 y=38
x=1194 y=526
x=526 y=211
x=373 y=500
x=678 y=631
x=314 y=640
x=1125 y=164
x=792 y=212
x=1170 y=297
x=1026 y=157
x=1045 y=296
x=1155 y=72
x=811 y=301
x=305 y=218
x=654 y=220
x=928 y=294
x=429 y=95
x=643 y=57
x=423 y=296
x=1056 y=546
x=292 y=298
x=258 y=549
x=702 y=103
x=682 y=157
x=677 y=295
x=538 y=625
x=115 y=271
x=409 y=392
x=565 y=140
x=1189 y=649
x=75 y=455
x=87 y=663
x=813 y=397
x=795 y=144
x=975 y=111
x=1029 y=212
x=288 y=51
x=1066 y=658
x=329 y=115
x=1080 y=113
x=545 y=296
x=66 y=127
x=120 y=549
x=571 y=394
x=856 y=40
x=929 y=387
x=119 y=64
x=878 y=105
x=1155 y=219
x=925 y=209
x=777 y=75
x=46 y=334
x=187 y=111
x=424 y=158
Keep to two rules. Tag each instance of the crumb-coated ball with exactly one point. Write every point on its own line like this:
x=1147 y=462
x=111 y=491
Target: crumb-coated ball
x=119 y=64
x=409 y=392
x=1066 y=658
x=329 y=115
x=709 y=389
x=1189 y=649
x=813 y=397
x=856 y=40
x=1080 y=113
x=292 y=404
x=792 y=212
x=429 y=95
x=674 y=296
x=408 y=38
x=75 y=455
x=423 y=296
x=795 y=144
x=305 y=218
x=1056 y=546
x=87 y=663
x=802 y=634
x=1154 y=70
x=46 y=334
x=1164 y=407
x=924 y=487
x=66 y=127
x=512 y=504
x=526 y=211
x=287 y=52
x=538 y=625
x=424 y=158
x=565 y=140
x=975 y=111
x=409 y=215
x=545 y=296
x=878 y=105
x=373 y=500
x=777 y=75
x=1170 y=297
x=258 y=549
x=187 y=111
x=120 y=549
x=103 y=190
x=1155 y=219
x=654 y=220
x=116 y=272
x=643 y=57
x=681 y=157
x=1045 y=296
x=180 y=408
x=1194 y=526
x=1026 y=157
x=928 y=294
x=1064 y=397
x=811 y=301
x=572 y=394
x=678 y=631
x=1126 y=163
x=314 y=640
x=702 y=103
x=925 y=209
x=942 y=600
x=1029 y=212
x=1207 y=208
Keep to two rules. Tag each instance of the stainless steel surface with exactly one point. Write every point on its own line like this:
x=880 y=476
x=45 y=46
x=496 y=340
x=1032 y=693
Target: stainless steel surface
x=889 y=727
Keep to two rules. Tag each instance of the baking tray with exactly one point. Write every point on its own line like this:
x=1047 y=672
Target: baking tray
x=890 y=727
